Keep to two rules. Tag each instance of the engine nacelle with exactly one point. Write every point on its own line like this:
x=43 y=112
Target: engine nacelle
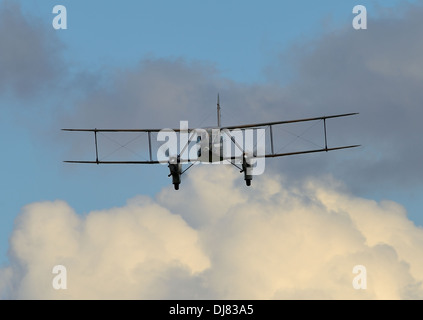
x=247 y=168
x=175 y=168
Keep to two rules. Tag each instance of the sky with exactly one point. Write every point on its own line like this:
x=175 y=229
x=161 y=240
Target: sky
x=123 y=232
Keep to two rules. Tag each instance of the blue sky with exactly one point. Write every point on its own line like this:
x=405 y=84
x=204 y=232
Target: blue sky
x=240 y=39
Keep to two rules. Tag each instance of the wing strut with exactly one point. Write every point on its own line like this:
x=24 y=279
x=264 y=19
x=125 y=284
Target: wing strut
x=149 y=145
x=271 y=139
x=326 y=138
x=96 y=145
x=218 y=111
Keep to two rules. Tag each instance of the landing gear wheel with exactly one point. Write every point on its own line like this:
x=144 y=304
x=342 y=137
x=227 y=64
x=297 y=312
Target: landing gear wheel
x=176 y=185
x=248 y=182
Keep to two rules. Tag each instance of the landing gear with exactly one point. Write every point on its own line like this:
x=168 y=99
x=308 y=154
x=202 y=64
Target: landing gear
x=175 y=168
x=247 y=169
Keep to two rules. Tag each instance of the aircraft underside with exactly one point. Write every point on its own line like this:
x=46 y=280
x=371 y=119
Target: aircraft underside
x=176 y=172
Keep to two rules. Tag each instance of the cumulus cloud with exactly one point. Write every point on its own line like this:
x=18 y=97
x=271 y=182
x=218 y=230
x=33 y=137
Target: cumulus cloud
x=122 y=253
x=30 y=56
x=218 y=239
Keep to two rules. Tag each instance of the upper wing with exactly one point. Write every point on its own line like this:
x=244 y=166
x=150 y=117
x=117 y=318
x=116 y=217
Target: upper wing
x=125 y=130
x=264 y=124
x=254 y=125
x=114 y=162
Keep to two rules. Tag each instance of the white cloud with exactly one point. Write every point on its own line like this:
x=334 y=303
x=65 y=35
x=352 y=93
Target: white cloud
x=119 y=253
x=220 y=240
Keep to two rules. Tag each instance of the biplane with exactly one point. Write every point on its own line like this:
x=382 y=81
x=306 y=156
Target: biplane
x=211 y=145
